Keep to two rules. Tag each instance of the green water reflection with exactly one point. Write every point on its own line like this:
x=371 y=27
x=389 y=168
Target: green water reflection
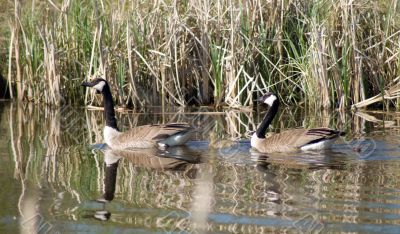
x=56 y=176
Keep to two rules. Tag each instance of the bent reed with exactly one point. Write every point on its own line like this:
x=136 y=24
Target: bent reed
x=320 y=53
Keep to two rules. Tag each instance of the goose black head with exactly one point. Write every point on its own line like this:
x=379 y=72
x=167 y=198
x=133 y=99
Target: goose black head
x=269 y=98
x=97 y=84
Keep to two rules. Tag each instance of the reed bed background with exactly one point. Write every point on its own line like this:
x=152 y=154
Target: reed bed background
x=318 y=53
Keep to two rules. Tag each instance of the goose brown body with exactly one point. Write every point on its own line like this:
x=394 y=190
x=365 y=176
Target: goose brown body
x=294 y=139
x=149 y=136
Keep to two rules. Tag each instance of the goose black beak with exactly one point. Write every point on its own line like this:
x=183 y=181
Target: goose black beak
x=259 y=99
x=87 y=84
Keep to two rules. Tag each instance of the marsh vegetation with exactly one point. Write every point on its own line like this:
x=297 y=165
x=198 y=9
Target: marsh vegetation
x=329 y=53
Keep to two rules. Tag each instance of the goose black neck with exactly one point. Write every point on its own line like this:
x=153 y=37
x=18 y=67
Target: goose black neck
x=109 y=113
x=262 y=129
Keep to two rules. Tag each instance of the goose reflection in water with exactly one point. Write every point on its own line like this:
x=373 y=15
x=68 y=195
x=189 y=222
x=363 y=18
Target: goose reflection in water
x=327 y=159
x=179 y=158
x=280 y=168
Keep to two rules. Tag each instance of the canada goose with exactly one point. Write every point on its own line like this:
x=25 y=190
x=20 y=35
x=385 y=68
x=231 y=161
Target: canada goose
x=146 y=136
x=289 y=140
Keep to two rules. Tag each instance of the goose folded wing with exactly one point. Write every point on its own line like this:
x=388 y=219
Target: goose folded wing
x=310 y=136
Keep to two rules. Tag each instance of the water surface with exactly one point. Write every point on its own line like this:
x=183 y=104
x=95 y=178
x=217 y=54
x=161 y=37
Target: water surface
x=57 y=176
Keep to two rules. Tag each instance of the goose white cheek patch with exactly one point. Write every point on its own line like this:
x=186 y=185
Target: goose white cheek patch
x=271 y=99
x=100 y=86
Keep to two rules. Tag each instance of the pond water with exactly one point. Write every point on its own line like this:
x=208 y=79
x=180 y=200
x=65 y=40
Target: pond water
x=58 y=177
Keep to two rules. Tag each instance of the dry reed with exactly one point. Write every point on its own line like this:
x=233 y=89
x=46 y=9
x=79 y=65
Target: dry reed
x=323 y=53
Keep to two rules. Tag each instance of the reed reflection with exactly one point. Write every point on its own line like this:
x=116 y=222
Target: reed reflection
x=50 y=160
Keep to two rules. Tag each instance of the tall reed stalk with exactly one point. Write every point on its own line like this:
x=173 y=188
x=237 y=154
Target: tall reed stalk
x=322 y=53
